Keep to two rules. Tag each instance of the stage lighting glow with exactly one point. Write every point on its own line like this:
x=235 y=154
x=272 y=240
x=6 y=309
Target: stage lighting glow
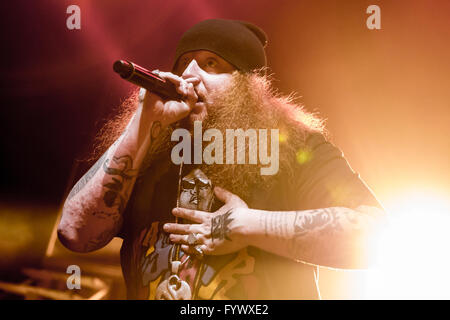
x=414 y=258
x=282 y=137
x=303 y=156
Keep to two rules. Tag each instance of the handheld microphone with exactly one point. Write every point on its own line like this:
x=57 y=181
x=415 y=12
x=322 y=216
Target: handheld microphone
x=146 y=79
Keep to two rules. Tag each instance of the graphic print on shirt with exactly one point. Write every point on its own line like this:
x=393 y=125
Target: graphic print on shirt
x=216 y=282
x=220 y=273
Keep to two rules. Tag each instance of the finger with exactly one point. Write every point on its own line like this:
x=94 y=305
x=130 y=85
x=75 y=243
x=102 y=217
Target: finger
x=192 y=215
x=184 y=239
x=181 y=87
x=185 y=87
x=193 y=80
x=142 y=94
x=191 y=95
x=187 y=249
x=179 y=228
x=171 y=77
x=178 y=238
x=180 y=84
x=223 y=195
x=191 y=249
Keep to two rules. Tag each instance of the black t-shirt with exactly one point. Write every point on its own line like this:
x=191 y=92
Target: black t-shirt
x=323 y=179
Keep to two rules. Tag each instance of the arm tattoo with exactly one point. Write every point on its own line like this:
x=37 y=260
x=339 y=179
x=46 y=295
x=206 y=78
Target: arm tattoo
x=155 y=146
x=326 y=221
x=275 y=223
x=96 y=243
x=115 y=216
x=155 y=130
x=219 y=226
x=122 y=173
x=88 y=176
x=92 y=171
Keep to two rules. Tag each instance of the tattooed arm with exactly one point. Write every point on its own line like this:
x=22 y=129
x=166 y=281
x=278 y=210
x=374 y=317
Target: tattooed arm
x=92 y=212
x=337 y=237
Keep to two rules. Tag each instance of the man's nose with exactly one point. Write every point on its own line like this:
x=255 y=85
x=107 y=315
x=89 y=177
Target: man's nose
x=192 y=70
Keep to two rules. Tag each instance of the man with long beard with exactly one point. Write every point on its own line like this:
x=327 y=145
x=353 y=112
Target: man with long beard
x=260 y=236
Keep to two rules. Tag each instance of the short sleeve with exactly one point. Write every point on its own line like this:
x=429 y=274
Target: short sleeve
x=325 y=178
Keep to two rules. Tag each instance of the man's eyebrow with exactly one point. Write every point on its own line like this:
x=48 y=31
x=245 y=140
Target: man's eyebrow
x=217 y=59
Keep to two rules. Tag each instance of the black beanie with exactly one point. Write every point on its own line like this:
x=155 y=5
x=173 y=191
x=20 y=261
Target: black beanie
x=238 y=42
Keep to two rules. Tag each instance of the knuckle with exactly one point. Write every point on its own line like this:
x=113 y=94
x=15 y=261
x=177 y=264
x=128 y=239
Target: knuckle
x=204 y=229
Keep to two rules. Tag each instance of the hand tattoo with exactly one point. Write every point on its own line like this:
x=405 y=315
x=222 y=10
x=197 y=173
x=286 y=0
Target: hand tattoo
x=219 y=226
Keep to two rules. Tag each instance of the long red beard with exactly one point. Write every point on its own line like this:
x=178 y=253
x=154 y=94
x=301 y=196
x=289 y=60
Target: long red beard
x=249 y=102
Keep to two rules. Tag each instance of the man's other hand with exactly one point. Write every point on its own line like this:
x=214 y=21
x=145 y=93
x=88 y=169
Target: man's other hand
x=215 y=233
